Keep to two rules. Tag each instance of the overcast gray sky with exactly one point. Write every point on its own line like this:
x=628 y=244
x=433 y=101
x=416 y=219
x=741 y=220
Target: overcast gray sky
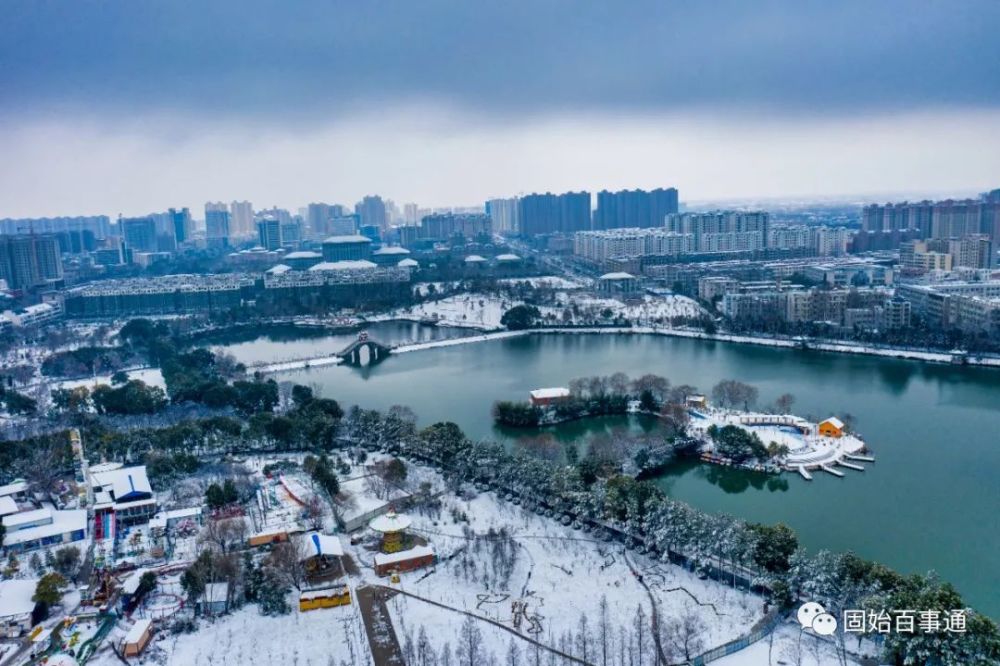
x=137 y=106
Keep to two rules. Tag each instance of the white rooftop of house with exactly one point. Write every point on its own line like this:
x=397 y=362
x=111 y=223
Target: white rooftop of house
x=63 y=522
x=392 y=249
x=131 y=584
x=325 y=592
x=618 y=276
x=279 y=269
x=14 y=488
x=835 y=422
x=135 y=634
x=7 y=505
x=303 y=254
x=353 y=238
x=408 y=263
x=346 y=265
x=474 y=259
x=215 y=593
x=403 y=555
x=316 y=544
x=556 y=392
x=27 y=518
x=508 y=257
x=15 y=597
x=390 y=522
x=122 y=481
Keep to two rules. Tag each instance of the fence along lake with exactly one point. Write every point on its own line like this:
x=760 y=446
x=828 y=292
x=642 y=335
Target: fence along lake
x=931 y=501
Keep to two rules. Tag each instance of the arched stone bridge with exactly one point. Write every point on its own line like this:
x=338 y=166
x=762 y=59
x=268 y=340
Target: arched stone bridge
x=364 y=351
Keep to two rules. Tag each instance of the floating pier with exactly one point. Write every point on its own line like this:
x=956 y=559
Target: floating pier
x=805 y=475
x=853 y=466
x=859 y=458
x=831 y=470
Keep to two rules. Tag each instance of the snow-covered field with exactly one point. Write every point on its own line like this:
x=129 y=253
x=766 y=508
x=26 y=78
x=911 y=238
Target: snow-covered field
x=484 y=311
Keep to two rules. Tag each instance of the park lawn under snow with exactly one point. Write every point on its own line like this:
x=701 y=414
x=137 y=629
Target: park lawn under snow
x=484 y=311
x=316 y=638
x=562 y=573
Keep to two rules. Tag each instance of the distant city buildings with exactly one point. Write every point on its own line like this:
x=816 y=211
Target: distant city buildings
x=347 y=248
x=371 y=211
x=722 y=231
x=503 y=215
x=942 y=219
x=599 y=246
x=634 y=208
x=269 y=233
x=553 y=213
x=241 y=219
x=217 y=225
x=139 y=233
x=30 y=261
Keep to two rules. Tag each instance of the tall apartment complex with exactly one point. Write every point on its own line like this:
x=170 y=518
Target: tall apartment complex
x=29 y=260
x=503 y=215
x=241 y=219
x=723 y=231
x=600 y=246
x=554 y=213
x=217 y=224
x=634 y=208
x=942 y=219
x=371 y=212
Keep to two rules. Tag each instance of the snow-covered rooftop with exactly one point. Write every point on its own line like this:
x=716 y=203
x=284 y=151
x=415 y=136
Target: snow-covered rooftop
x=353 y=238
x=303 y=254
x=474 y=259
x=131 y=583
x=346 y=265
x=390 y=522
x=549 y=393
x=63 y=522
x=27 y=519
x=508 y=257
x=124 y=482
x=408 y=263
x=13 y=488
x=317 y=544
x=7 y=505
x=403 y=555
x=279 y=269
x=835 y=422
x=392 y=249
x=325 y=592
x=618 y=276
x=15 y=597
x=137 y=631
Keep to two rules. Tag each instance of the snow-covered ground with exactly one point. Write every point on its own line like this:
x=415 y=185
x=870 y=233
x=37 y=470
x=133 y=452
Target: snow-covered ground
x=806 y=446
x=484 y=311
x=151 y=376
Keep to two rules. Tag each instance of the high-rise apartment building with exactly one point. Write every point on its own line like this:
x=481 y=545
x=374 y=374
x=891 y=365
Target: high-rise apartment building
x=503 y=215
x=217 y=224
x=599 y=246
x=318 y=216
x=139 y=233
x=182 y=224
x=29 y=261
x=241 y=219
x=634 y=208
x=554 y=213
x=269 y=233
x=99 y=225
x=723 y=231
x=371 y=212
